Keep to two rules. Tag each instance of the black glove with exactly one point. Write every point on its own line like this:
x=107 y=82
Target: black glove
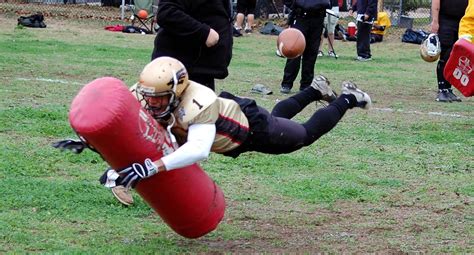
x=75 y=146
x=130 y=176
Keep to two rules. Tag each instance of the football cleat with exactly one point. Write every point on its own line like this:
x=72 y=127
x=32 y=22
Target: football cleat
x=453 y=96
x=321 y=84
x=443 y=96
x=363 y=99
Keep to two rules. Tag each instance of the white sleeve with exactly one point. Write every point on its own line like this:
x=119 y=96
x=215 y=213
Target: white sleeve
x=197 y=147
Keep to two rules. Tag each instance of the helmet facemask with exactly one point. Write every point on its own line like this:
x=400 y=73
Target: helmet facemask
x=158 y=112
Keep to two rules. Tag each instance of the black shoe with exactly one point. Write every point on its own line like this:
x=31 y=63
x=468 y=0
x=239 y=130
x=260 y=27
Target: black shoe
x=236 y=32
x=453 y=97
x=285 y=90
x=443 y=96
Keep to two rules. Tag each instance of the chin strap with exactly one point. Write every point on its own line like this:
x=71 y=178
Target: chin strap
x=168 y=128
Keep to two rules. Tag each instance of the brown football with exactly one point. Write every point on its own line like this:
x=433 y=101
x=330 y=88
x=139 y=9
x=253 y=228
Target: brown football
x=291 y=43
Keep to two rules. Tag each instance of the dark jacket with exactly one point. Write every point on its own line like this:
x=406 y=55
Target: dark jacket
x=368 y=7
x=184 y=27
x=307 y=5
x=452 y=9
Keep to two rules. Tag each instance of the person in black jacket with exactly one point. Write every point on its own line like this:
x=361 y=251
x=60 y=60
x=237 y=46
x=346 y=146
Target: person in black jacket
x=366 y=15
x=308 y=17
x=199 y=34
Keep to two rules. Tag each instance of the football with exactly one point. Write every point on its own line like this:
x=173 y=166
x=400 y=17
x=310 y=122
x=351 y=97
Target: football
x=142 y=14
x=291 y=43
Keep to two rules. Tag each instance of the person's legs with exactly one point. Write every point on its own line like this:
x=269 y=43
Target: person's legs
x=325 y=25
x=250 y=11
x=290 y=73
x=313 y=39
x=448 y=35
x=250 y=22
x=331 y=27
x=331 y=44
x=283 y=135
x=363 y=40
x=239 y=21
x=292 y=66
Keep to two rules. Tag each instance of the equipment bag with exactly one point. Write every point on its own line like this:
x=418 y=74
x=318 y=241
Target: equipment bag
x=458 y=69
x=412 y=36
x=271 y=29
x=35 y=20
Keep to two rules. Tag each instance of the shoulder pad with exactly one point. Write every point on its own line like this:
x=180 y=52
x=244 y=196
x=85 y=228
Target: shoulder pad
x=194 y=100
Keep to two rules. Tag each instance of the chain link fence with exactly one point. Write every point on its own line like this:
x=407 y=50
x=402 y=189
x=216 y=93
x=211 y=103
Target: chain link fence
x=403 y=14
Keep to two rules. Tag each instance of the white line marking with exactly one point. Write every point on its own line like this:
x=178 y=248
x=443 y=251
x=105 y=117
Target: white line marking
x=49 y=80
x=421 y=113
x=374 y=108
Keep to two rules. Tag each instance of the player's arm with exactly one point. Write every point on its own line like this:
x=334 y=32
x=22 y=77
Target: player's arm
x=435 y=6
x=196 y=148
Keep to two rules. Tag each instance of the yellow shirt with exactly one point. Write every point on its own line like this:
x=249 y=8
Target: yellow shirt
x=466 y=26
x=382 y=20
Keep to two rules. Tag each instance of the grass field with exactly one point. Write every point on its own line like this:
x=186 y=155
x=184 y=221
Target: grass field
x=395 y=179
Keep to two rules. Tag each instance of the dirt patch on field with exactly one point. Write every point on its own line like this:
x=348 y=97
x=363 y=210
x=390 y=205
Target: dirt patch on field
x=395 y=226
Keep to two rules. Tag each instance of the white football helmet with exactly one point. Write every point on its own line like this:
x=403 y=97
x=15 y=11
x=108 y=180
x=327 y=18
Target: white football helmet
x=164 y=76
x=430 y=48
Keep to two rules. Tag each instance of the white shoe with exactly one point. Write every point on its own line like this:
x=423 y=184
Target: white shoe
x=332 y=54
x=321 y=84
x=363 y=99
x=362 y=59
x=320 y=54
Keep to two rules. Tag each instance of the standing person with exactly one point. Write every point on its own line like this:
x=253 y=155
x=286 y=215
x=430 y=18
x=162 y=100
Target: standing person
x=366 y=14
x=245 y=8
x=330 y=22
x=446 y=16
x=308 y=17
x=199 y=34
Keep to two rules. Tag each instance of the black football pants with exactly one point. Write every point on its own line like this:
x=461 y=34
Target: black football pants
x=285 y=135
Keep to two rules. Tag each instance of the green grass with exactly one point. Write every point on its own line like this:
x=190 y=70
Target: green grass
x=397 y=178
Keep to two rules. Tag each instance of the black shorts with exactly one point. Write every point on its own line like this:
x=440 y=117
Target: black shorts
x=267 y=134
x=246 y=6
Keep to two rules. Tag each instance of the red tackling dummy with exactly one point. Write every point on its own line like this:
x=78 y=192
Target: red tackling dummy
x=111 y=120
x=459 y=69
